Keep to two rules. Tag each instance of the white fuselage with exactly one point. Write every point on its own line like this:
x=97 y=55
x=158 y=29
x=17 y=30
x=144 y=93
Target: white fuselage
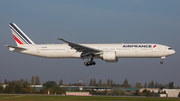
x=107 y=52
x=122 y=50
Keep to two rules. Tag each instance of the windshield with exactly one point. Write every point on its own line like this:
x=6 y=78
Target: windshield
x=170 y=49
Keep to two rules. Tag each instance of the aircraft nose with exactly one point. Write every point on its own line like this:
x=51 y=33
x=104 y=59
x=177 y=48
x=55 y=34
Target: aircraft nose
x=173 y=52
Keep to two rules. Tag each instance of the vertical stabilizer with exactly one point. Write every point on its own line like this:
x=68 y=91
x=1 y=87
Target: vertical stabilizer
x=20 y=37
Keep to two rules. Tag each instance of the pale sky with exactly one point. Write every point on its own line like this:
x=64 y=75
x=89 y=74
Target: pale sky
x=91 y=21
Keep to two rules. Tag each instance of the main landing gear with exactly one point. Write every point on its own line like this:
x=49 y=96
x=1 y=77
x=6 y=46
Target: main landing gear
x=162 y=59
x=90 y=62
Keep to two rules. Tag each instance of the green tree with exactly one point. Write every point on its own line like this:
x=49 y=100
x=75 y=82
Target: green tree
x=108 y=82
x=60 y=82
x=21 y=81
x=138 y=85
x=149 y=85
x=33 y=91
x=60 y=90
x=146 y=92
x=5 y=81
x=137 y=93
x=152 y=84
x=32 y=80
x=111 y=82
x=171 y=85
x=100 y=83
x=145 y=85
x=94 y=83
x=37 y=81
x=1 y=88
x=13 y=88
x=156 y=85
x=50 y=84
x=44 y=91
x=26 y=88
x=178 y=87
x=126 y=83
x=179 y=94
x=17 y=89
x=8 y=90
x=91 y=83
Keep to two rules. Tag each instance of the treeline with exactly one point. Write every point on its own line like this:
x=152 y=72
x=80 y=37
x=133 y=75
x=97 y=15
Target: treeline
x=34 y=81
x=125 y=84
x=20 y=86
x=158 y=85
x=109 y=83
x=24 y=87
x=17 y=87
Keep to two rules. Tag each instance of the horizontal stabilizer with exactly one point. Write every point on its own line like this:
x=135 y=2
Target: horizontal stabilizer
x=15 y=47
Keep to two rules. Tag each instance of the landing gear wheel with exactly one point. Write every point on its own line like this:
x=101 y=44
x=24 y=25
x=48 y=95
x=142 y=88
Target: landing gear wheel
x=161 y=62
x=93 y=63
x=86 y=64
x=89 y=63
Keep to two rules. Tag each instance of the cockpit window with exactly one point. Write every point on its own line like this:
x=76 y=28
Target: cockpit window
x=170 y=49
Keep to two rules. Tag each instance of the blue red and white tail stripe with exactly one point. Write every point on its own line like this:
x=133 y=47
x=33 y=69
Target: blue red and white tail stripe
x=20 y=37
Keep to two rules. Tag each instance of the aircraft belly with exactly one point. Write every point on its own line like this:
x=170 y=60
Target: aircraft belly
x=57 y=54
x=137 y=54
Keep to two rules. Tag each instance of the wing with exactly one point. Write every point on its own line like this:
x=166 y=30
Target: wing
x=81 y=48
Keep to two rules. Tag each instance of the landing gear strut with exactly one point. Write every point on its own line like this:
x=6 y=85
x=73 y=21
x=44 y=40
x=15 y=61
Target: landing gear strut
x=90 y=62
x=162 y=59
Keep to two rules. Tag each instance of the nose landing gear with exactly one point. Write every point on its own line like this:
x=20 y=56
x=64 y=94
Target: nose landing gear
x=161 y=62
x=162 y=59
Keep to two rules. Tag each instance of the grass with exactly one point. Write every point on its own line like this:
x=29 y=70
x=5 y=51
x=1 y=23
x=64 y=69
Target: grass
x=79 y=98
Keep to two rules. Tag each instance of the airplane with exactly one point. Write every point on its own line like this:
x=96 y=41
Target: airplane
x=106 y=52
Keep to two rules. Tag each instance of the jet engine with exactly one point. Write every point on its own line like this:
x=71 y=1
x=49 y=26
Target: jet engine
x=109 y=56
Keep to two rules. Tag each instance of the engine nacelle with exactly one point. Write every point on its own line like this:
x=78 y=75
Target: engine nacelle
x=109 y=56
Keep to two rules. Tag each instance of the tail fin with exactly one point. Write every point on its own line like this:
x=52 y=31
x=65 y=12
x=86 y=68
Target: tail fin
x=20 y=37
